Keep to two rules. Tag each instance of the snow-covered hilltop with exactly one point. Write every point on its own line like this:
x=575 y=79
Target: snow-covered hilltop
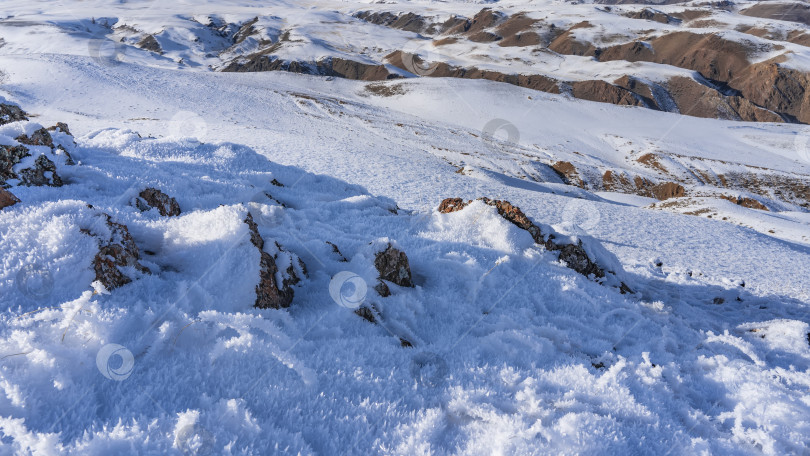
x=333 y=227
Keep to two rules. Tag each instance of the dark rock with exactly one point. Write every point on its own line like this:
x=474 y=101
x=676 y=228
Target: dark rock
x=404 y=343
x=576 y=258
x=718 y=300
x=40 y=137
x=68 y=159
x=10 y=156
x=270 y=293
x=517 y=217
x=382 y=289
x=149 y=43
x=43 y=173
x=114 y=252
x=276 y=183
x=11 y=113
x=153 y=198
x=392 y=264
x=7 y=198
x=61 y=126
x=366 y=313
x=568 y=173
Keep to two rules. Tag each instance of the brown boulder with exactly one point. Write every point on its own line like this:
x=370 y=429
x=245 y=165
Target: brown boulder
x=116 y=251
x=61 y=126
x=270 y=293
x=153 y=198
x=451 y=205
x=517 y=217
x=568 y=173
x=393 y=266
x=7 y=198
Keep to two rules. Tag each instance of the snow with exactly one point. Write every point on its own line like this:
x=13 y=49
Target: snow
x=513 y=353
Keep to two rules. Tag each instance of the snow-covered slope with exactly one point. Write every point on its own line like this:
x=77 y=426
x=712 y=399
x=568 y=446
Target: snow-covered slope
x=499 y=348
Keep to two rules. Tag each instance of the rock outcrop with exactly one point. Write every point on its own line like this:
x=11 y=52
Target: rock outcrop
x=150 y=43
x=334 y=66
x=11 y=113
x=41 y=169
x=117 y=255
x=393 y=266
x=152 y=198
x=572 y=254
x=270 y=293
x=7 y=198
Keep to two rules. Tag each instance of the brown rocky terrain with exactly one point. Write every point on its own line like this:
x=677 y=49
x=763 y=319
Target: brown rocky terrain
x=117 y=252
x=152 y=198
x=269 y=292
x=729 y=85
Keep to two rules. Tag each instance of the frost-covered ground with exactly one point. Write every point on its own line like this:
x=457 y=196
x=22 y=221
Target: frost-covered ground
x=513 y=353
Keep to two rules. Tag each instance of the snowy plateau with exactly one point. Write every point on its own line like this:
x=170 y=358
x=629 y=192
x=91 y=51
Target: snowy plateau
x=461 y=227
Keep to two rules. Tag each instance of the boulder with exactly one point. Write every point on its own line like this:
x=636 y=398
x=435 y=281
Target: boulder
x=152 y=198
x=568 y=173
x=382 y=289
x=10 y=156
x=40 y=137
x=61 y=126
x=7 y=198
x=151 y=44
x=116 y=250
x=43 y=173
x=517 y=217
x=449 y=205
x=393 y=266
x=11 y=113
x=575 y=257
x=269 y=292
